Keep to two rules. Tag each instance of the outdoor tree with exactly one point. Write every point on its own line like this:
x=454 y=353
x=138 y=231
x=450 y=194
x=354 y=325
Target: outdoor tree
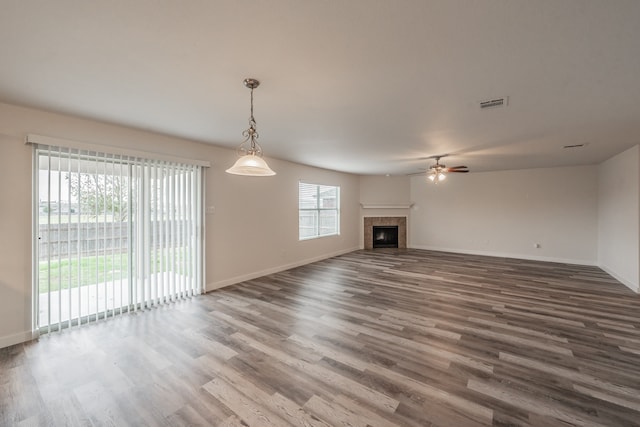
x=100 y=194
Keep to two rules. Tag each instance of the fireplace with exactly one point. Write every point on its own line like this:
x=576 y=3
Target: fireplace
x=385 y=236
x=399 y=223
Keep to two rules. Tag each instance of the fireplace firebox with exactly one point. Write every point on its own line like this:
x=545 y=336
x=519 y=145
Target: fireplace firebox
x=385 y=236
x=384 y=221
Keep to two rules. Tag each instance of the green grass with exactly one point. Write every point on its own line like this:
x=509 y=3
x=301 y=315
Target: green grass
x=89 y=270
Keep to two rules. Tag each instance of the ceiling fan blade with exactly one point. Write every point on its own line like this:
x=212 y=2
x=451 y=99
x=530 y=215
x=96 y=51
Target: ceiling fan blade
x=458 y=170
x=436 y=157
x=458 y=167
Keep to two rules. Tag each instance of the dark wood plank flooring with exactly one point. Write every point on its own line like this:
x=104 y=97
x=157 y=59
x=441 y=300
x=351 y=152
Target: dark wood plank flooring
x=380 y=338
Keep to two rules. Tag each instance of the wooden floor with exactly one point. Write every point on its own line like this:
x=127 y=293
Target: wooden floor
x=381 y=338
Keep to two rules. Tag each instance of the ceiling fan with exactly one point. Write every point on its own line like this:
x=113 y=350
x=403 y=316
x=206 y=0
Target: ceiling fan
x=438 y=172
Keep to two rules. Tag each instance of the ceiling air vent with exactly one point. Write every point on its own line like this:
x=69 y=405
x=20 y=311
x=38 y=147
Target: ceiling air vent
x=575 y=145
x=494 y=102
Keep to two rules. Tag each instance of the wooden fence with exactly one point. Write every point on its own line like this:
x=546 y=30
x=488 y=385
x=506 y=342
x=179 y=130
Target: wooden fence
x=91 y=238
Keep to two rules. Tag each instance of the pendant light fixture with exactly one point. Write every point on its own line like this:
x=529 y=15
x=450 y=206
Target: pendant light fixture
x=250 y=162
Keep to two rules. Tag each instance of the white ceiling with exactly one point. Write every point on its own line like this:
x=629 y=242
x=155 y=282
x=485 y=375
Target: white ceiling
x=363 y=86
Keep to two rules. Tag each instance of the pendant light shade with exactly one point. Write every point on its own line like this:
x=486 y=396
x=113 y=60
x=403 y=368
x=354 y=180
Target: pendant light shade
x=250 y=162
x=251 y=165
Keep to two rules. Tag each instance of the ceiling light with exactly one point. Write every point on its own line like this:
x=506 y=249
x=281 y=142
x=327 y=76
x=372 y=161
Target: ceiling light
x=250 y=162
x=438 y=172
x=436 y=176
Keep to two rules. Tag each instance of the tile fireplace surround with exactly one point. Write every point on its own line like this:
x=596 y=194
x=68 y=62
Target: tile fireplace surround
x=371 y=221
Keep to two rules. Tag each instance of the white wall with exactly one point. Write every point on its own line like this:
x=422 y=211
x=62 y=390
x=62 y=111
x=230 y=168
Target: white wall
x=251 y=214
x=386 y=190
x=15 y=238
x=255 y=228
x=619 y=217
x=505 y=213
x=389 y=191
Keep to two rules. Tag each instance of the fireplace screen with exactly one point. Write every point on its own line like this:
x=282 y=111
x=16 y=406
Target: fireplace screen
x=385 y=236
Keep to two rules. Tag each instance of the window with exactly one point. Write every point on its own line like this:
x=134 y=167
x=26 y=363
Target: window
x=114 y=233
x=319 y=210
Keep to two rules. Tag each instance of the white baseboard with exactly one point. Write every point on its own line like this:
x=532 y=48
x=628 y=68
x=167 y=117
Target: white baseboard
x=19 y=338
x=250 y=276
x=629 y=284
x=508 y=255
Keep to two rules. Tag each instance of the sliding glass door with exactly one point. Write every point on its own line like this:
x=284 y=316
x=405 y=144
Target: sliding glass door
x=114 y=233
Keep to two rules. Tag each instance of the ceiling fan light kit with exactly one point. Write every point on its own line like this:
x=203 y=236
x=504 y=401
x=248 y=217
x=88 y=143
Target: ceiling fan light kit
x=437 y=173
x=437 y=177
x=250 y=162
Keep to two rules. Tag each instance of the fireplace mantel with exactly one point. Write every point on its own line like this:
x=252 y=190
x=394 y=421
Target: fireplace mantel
x=406 y=205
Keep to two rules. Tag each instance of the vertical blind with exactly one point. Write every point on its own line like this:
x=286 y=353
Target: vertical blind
x=114 y=233
x=318 y=210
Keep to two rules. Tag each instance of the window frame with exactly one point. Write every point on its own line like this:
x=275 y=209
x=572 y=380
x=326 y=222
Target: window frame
x=318 y=210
